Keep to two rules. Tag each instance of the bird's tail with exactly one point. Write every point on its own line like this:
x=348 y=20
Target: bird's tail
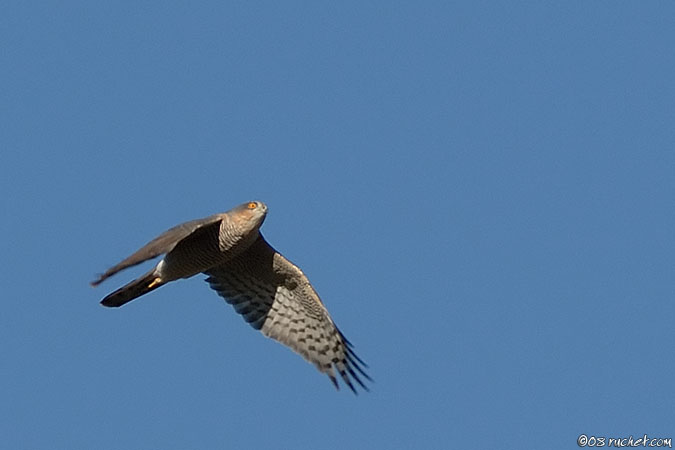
x=148 y=282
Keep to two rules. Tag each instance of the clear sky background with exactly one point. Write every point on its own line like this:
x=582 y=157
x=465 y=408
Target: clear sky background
x=482 y=193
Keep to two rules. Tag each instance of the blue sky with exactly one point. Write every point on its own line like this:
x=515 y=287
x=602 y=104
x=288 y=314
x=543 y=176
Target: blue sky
x=482 y=193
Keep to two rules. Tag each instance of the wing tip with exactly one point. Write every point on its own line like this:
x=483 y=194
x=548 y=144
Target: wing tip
x=98 y=280
x=347 y=373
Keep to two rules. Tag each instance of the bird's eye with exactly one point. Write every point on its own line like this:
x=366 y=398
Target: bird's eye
x=252 y=205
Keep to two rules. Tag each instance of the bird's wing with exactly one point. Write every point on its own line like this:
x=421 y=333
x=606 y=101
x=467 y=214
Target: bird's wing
x=275 y=297
x=163 y=243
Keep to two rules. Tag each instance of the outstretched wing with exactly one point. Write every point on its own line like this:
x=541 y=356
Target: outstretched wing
x=163 y=243
x=275 y=297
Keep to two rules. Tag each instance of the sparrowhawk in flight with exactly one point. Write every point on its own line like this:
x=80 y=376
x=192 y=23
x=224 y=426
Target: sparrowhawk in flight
x=270 y=292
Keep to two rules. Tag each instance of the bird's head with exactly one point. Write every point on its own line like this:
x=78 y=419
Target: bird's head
x=250 y=216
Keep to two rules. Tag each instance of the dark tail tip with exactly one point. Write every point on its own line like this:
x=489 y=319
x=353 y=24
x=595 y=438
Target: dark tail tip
x=111 y=303
x=133 y=290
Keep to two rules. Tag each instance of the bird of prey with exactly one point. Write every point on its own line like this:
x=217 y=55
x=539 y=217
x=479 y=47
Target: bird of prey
x=270 y=292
